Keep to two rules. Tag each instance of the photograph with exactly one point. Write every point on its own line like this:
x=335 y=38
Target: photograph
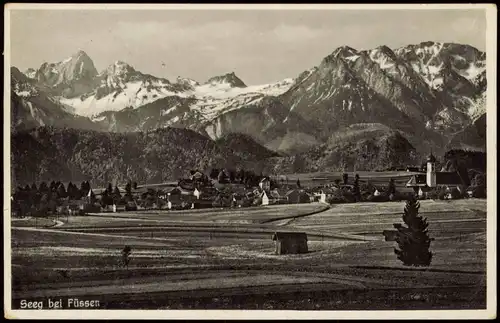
x=238 y=161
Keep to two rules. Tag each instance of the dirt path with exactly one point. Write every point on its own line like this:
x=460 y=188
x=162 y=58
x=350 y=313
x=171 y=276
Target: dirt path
x=189 y=282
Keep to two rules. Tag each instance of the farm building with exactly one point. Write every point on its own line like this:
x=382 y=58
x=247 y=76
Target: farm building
x=197 y=176
x=131 y=206
x=265 y=184
x=298 y=196
x=290 y=242
x=278 y=196
x=419 y=182
x=109 y=208
x=325 y=193
x=178 y=195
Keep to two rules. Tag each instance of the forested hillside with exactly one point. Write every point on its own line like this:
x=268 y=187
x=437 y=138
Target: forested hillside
x=47 y=153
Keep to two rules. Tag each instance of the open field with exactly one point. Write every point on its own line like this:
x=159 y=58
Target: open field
x=178 y=259
x=258 y=214
x=376 y=178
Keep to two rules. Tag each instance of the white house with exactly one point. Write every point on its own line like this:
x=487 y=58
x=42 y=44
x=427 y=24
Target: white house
x=169 y=205
x=265 y=198
x=197 y=193
x=421 y=193
x=376 y=193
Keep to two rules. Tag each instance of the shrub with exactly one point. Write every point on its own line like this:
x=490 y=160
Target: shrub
x=403 y=196
x=185 y=205
x=126 y=256
x=433 y=194
x=336 y=199
x=380 y=198
x=341 y=196
x=368 y=187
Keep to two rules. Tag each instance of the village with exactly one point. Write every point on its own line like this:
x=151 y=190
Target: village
x=235 y=189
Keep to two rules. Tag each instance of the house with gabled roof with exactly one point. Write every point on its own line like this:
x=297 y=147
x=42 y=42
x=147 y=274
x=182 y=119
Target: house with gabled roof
x=265 y=183
x=264 y=197
x=425 y=181
x=278 y=196
x=298 y=196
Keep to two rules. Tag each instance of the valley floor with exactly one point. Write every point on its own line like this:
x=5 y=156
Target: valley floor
x=224 y=259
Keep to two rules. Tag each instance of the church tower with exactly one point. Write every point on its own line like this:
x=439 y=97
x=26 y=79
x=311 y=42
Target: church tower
x=431 y=171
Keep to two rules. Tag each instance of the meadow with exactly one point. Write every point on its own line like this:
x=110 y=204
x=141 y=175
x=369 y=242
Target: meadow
x=199 y=258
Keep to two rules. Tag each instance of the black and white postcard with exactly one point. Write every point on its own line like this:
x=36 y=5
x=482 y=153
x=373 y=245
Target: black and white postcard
x=250 y=161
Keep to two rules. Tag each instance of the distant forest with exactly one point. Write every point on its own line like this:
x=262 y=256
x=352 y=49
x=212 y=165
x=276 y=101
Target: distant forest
x=63 y=154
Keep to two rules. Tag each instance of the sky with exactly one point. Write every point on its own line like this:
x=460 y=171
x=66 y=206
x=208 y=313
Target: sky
x=260 y=46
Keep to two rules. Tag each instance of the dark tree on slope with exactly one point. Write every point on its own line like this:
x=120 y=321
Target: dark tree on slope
x=222 y=178
x=44 y=188
x=117 y=195
x=61 y=191
x=126 y=256
x=83 y=189
x=356 y=189
x=413 y=240
x=345 y=178
x=214 y=173
x=391 y=188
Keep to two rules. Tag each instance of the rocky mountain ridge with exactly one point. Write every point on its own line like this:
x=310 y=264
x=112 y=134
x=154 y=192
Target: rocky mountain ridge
x=428 y=92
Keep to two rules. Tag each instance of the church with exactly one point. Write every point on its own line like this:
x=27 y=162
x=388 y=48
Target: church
x=432 y=178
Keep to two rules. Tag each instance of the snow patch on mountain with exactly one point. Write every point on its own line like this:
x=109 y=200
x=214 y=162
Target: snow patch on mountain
x=30 y=73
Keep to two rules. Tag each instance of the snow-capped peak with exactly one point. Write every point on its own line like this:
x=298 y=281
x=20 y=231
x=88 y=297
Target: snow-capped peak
x=227 y=79
x=187 y=81
x=119 y=68
x=30 y=73
x=344 y=51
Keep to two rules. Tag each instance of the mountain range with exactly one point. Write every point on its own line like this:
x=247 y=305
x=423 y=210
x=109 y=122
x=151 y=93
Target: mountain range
x=431 y=95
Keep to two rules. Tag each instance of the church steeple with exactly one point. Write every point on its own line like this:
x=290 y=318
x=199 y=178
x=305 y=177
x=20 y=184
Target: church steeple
x=431 y=170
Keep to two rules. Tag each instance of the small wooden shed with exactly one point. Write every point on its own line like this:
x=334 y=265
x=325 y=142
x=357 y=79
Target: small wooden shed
x=290 y=242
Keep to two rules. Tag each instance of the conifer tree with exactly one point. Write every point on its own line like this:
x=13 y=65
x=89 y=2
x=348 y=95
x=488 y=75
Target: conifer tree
x=83 y=189
x=356 y=189
x=61 y=191
x=69 y=190
x=391 y=189
x=44 y=188
x=128 y=188
x=53 y=186
x=116 y=195
x=413 y=240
